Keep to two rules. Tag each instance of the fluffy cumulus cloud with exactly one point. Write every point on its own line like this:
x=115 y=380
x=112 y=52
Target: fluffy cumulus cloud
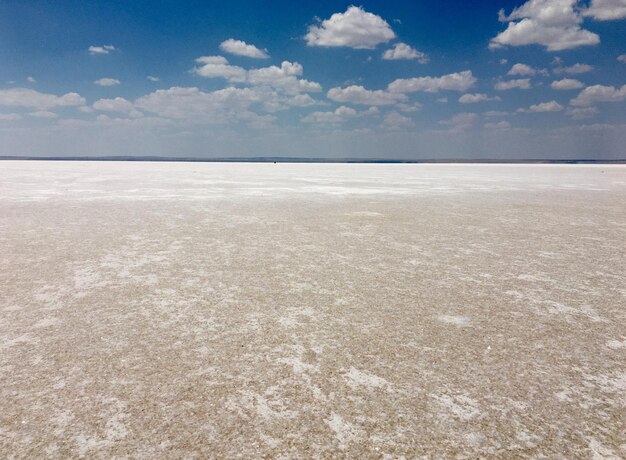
x=460 y=81
x=241 y=48
x=119 y=104
x=107 y=82
x=521 y=83
x=218 y=67
x=104 y=49
x=555 y=24
x=218 y=107
x=153 y=78
x=26 y=97
x=359 y=95
x=551 y=106
x=404 y=51
x=477 y=97
x=599 y=93
x=301 y=100
x=339 y=115
x=574 y=69
x=622 y=58
x=197 y=106
x=284 y=78
x=356 y=28
x=566 y=83
x=522 y=69
x=606 y=10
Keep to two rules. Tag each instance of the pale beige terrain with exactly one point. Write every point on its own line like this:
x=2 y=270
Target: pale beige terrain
x=181 y=310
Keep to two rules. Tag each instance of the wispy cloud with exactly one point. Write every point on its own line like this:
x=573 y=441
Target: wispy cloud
x=107 y=82
x=104 y=49
x=241 y=48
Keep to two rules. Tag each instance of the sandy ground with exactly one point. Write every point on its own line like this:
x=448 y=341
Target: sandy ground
x=366 y=311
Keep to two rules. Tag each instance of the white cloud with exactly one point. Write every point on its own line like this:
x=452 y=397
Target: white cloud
x=460 y=81
x=574 y=69
x=566 y=83
x=43 y=114
x=499 y=126
x=339 y=115
x=477 y=97
x=107 y=82
x=522 y=83
x=219 y=107
x=105 y=49
x=460 y=122
x=395 y=120
x=241 y=48
x=31 y=80
x=622 y=58
x=228 y=105
x=301 y=100
x=580 y=113
x=359 y=95
x=283 y=78
x=504 y=61
x=26 y=97
x=119 y=104
x=152 y=78
x=404 y=51
x=551 y=106
x=522 y=69
x=555 y=24
x=606 y=10
x=356 y=28
x=218 y=67
x=599 y=93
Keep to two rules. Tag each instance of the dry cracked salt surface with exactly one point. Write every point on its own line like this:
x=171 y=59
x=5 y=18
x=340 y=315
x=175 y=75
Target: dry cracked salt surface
x=302 y=311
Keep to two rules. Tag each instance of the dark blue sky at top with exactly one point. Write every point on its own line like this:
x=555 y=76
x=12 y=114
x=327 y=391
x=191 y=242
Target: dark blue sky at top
x=48 y=40
x=164 y=37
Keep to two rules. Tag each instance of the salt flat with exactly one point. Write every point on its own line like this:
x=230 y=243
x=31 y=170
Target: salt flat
x=312 y=310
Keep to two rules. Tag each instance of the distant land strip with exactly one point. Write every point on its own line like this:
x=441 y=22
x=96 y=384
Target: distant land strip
x=306 y=160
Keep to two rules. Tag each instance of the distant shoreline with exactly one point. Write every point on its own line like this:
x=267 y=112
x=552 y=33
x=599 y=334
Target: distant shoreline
x=305 y=160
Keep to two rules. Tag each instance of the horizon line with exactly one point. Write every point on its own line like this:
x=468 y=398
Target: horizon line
x=286 y=159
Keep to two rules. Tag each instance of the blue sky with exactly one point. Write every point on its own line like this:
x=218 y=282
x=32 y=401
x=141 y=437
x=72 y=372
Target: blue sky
x=395 y=79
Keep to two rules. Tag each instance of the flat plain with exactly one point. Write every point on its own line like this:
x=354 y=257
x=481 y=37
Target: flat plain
x=312 y=310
